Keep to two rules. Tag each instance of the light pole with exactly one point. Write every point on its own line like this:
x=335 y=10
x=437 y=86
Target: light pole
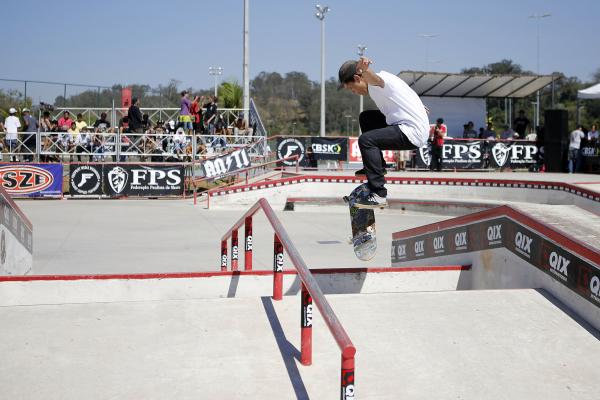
x=538 y=17
x=246 y=61
x=320 y=14
x=347 y=116
x=361 y=53
x=215 y=71
x=427 y=37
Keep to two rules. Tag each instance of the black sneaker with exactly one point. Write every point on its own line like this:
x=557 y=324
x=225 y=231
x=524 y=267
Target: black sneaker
x=363 y=172
x=372 y=201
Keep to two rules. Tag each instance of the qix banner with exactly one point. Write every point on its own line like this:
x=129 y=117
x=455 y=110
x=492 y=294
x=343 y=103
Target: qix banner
x=116 y=180
x=552 y=259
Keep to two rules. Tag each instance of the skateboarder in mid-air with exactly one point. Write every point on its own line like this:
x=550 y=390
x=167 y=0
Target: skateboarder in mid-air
x=401 y=122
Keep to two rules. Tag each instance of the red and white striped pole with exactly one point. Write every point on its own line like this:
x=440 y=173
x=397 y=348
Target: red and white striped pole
x=248 y=244
x=234 y=250
x=347 y=389
x=277 y=268
x=224 y=255
x=306 y=319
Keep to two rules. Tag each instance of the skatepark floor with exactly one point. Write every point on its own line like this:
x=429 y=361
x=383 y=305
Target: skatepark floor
x=511 y=344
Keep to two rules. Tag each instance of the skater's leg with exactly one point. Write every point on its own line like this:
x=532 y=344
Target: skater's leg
x=371 y=143
x=371 y=119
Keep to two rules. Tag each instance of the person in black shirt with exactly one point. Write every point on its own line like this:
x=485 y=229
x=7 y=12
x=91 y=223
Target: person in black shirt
x=210 y=115
x=469 y=132
x=521 y=124
x=135 y=116
x=102 y=124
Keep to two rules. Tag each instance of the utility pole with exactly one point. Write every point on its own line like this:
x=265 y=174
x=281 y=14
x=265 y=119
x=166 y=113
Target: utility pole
x=538 y=17
x=320 y=14
x=361 y=53
x=246 y=62
x=215 y=71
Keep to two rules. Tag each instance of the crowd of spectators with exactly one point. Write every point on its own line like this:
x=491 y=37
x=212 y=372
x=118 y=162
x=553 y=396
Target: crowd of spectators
x=169 y=140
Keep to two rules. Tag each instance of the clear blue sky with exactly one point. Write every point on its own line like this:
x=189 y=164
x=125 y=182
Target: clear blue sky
x=152 y=41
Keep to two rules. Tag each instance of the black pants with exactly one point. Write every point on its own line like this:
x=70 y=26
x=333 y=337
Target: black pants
x=376 y=136
x=437 y=157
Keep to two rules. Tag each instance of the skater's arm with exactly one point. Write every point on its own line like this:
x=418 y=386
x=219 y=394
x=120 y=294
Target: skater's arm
x=362 y=69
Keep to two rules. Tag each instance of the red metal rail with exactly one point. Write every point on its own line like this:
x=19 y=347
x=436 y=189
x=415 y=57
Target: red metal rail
x=311 y=292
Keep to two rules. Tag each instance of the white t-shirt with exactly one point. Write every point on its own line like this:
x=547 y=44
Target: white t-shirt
x=12 y=125
x=401 y=106
x=576 y=137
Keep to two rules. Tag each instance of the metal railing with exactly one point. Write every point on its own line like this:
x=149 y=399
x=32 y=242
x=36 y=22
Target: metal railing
x=117 y=146
x=310 y=292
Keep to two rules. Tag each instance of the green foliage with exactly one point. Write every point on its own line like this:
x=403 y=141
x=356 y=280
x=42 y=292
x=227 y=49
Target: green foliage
x=291 y=102
x=231 y=94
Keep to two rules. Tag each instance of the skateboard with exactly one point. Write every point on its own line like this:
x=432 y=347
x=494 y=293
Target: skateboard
x=363 y=225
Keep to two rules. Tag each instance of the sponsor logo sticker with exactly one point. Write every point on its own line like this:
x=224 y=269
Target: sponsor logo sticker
x=24 y=179
x=523 y=244
x=117 y=179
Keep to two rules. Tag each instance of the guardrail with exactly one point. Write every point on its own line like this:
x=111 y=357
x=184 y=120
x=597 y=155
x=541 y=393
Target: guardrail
x=310 y=292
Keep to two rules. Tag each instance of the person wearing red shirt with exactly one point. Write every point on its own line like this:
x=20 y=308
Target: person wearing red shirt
x=437 y=134
x=64 y=123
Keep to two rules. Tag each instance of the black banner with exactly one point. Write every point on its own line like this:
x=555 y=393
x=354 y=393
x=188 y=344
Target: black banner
x=143 y=180
x=549 y=257
x=85 y=180
x=517 y=154
x=288 y=147
x=456 y=154
x=226 y=164
x=329 y=148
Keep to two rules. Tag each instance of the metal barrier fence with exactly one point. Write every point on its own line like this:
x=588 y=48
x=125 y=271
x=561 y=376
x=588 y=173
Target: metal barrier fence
x=310 y=292
x=91 y=114
x=117 y=146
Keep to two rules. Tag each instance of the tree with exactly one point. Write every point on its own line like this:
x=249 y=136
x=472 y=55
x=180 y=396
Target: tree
x=231 y=94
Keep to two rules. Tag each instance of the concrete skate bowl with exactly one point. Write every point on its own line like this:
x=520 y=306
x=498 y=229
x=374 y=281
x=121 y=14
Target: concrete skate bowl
x=16 y=238
x=441 y=194
x=509 y=249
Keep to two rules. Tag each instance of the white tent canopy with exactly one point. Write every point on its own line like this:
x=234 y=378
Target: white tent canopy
x=589 y=93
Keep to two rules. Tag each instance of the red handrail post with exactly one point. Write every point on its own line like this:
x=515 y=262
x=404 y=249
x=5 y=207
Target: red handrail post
x=277 y=268
x=297 y=164
x=347 y=389
x=248 y=243
x=234 y=250
x=306 y=318
x=224 y=255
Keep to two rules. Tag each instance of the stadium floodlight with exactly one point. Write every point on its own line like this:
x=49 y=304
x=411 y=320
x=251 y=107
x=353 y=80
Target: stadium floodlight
x=216 y=72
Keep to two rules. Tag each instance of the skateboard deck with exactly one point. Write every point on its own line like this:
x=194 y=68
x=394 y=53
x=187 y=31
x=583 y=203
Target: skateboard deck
x=363 y=225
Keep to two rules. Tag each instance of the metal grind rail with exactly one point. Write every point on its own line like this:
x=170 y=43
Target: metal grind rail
x=311 y=292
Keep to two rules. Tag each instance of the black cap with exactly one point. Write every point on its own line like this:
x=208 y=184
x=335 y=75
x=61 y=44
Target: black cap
x=347 y=72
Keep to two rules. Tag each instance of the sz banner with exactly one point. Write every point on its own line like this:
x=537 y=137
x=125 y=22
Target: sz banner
x=32 y=180
x=226 y=164
x=354 y=156
x=292 y=146
x=459 y=155
x=143 y=180
x=512 y=154
x=329 y=148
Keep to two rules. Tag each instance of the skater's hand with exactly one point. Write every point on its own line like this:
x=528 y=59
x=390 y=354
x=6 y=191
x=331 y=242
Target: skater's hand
x=363 y=65
x=363 y=71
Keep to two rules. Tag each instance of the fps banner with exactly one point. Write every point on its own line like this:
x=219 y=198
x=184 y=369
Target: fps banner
x=512 y=154
x=329 y=148
x=288 y=147
x=143 y=180
x=459 y=155
x=32 y=180
x=221 y=166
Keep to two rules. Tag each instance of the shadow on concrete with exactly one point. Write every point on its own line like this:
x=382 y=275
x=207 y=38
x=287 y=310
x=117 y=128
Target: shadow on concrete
x=233 y=284
x=562 y=307
x=288 y=352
